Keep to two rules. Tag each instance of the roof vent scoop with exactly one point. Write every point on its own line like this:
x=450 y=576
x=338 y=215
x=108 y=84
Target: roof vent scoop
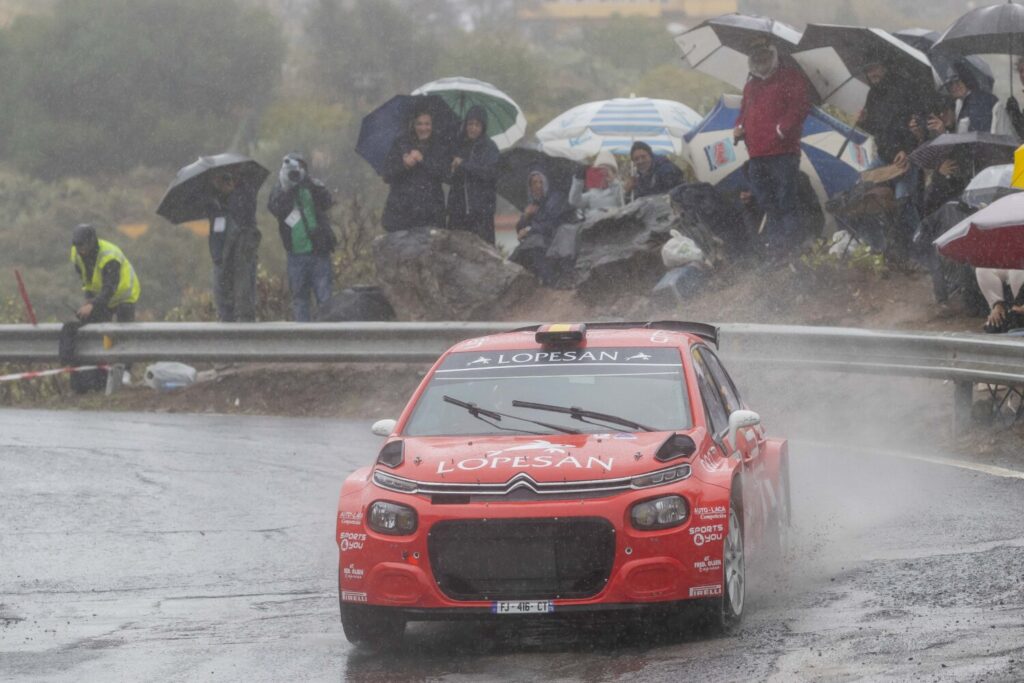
x=676 y=446
x=393 y=454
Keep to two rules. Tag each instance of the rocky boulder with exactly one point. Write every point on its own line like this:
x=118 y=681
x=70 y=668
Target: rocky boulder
x=621 y=251
x=356 y=303
x=447 y=275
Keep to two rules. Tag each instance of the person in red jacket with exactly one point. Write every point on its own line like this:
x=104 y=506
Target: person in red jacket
x=771 y=122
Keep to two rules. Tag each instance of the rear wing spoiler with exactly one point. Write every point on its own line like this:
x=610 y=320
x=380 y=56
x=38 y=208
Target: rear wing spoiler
x=708 y=333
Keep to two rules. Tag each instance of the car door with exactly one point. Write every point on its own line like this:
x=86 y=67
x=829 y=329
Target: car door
x=748 y=448
x=717 y=413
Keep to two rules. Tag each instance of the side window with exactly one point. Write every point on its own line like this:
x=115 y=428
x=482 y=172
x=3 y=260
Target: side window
x=726 y=388
x=717 y=415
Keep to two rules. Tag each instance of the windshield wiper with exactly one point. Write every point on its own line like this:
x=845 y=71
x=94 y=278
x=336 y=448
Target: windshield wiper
x=582 y=415
x=483 y=414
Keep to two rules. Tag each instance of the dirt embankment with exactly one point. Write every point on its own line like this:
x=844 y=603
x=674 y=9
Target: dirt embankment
x=740 y=292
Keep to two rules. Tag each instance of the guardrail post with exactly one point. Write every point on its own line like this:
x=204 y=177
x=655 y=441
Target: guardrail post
x=115 y=378
x=963 y=405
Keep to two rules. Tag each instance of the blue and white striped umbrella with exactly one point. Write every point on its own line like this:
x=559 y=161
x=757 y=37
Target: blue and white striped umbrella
x=834 y=154
x=614 y=125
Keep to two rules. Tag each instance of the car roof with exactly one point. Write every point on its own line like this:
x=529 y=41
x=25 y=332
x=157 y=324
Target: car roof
x=639 y=334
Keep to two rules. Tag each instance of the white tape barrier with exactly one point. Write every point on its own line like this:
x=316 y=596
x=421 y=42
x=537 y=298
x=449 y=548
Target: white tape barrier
x=34 y=374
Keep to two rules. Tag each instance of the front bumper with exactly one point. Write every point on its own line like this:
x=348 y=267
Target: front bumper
x=626 y=569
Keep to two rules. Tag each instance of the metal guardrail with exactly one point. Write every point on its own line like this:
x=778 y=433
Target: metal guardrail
x=949 y=356
x=957 y=357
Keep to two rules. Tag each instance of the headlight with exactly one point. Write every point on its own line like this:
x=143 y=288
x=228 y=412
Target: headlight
x=660 y=513
x=661 y=477
x=392 y=518
x=394 y=483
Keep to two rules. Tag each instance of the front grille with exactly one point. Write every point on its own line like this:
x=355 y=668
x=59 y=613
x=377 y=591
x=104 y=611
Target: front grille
x=522 y=486
x=522 y=559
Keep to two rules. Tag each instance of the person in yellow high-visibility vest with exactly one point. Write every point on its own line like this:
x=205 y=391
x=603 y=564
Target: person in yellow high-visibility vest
x=110 y=284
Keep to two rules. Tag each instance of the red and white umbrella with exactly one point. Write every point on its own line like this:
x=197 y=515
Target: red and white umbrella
x=990 y=238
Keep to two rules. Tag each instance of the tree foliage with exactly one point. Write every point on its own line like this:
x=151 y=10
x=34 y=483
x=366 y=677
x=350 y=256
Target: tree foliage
x=369 y=50
x=633 y=43
x=105 y=85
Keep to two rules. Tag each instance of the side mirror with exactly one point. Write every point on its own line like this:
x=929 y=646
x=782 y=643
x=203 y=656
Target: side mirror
x=383 y=427
x=741 y=419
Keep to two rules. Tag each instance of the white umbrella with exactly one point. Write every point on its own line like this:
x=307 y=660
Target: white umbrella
x=506 y=123
x=719 y=46
x=833 y=57
x=583 y=131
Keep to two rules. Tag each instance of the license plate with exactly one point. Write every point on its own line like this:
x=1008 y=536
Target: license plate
x=523 y=607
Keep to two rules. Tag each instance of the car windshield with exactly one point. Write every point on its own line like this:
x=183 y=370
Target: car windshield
x=643 y=385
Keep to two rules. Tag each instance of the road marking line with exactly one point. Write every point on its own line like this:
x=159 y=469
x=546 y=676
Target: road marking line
x=992 y=470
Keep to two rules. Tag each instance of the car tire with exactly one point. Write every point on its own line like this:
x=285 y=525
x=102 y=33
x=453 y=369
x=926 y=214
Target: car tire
x=369 y=625
x=726 y=612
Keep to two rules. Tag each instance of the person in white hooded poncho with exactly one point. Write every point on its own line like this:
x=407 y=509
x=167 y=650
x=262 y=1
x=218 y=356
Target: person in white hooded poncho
x=607 y=196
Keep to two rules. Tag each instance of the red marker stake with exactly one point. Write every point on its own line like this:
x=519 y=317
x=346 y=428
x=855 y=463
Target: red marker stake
x=24 y=297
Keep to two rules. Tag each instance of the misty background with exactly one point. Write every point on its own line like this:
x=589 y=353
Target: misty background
x=103 y=100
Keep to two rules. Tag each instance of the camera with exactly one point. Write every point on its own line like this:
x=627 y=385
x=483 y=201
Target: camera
x=295 y=170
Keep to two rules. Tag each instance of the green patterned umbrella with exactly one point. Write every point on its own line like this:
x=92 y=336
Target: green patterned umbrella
x=506 y=123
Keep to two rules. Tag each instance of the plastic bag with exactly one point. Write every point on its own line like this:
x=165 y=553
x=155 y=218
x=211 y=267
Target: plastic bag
x=166 y=376
x=1001 y=124
x=843 y=243
x=680 y=250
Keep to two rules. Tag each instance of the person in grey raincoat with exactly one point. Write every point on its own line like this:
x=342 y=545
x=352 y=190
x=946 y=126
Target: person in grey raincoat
x=415 y=168
x=546 y=210
x=234 y=246
x=473 y=196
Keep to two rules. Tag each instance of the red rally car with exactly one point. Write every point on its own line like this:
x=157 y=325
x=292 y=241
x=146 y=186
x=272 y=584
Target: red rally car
x=558 y=469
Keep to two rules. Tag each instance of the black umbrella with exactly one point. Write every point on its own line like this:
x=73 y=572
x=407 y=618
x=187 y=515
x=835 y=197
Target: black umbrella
x=995 y=29
x=834 y=59
x=185 y=200
x=514 y=171
x=385 y=124
x=918 y=38
x=944 y=64
x=972 y=151
x=719 y=47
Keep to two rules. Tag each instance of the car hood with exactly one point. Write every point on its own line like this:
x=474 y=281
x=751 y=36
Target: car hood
x=554 y=458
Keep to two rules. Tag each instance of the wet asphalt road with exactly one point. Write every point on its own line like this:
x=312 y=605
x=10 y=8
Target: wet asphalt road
x=143 y=547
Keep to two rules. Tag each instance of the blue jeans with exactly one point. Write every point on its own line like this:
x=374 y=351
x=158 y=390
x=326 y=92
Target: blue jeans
x=773 y=182
x=308 y=274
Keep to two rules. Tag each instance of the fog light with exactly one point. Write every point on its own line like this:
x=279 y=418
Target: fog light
x=392 y=518
x=660 y=513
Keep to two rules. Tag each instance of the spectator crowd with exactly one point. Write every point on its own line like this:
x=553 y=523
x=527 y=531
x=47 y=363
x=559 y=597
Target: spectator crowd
x=774 y=214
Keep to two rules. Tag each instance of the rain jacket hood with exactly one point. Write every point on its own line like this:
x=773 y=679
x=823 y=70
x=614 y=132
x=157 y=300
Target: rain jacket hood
x=475 y=113
x=529 y=179
x=606 y=159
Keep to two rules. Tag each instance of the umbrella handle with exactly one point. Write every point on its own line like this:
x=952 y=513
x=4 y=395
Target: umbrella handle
x=846 y=143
